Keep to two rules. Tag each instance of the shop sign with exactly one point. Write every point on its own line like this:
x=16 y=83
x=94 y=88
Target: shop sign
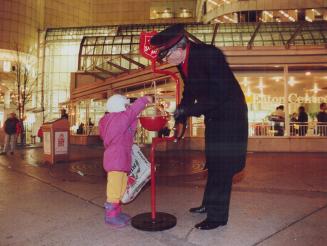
x=258 y=99
x=61 y=143
x=292 y=98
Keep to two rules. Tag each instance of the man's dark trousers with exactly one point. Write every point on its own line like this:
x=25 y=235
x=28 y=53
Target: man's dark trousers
x=222 y=148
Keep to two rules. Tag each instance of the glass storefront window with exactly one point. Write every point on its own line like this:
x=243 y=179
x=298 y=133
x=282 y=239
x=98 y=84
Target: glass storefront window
x=80 y=116
x=60 y=60
x=306 y=91
x=96 y=111
x=263 y=88
x=88 y=112
x=197 y=126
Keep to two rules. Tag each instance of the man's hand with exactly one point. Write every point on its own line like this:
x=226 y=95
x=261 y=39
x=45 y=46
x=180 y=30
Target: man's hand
x=179 y=130
x=180 y=115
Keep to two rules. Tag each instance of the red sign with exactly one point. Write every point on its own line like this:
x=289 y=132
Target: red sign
x=145 y=48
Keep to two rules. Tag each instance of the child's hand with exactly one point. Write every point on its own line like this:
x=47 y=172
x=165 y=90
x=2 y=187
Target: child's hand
x=150 y=99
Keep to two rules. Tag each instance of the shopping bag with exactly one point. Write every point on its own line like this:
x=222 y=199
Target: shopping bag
x=139 y=176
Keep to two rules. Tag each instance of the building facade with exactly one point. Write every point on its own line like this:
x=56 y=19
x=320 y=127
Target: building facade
x=277 y=50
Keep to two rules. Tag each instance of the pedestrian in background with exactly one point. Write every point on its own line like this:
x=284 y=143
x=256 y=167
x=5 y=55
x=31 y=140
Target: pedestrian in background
x=10 y=127
x=302 y=121
x=322 y=120
x=63 y=114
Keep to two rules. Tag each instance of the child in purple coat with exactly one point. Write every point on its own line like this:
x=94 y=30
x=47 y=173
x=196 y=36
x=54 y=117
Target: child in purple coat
x=117 y=129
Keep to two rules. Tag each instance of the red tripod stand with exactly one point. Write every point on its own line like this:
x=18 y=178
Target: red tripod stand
x=154 y=221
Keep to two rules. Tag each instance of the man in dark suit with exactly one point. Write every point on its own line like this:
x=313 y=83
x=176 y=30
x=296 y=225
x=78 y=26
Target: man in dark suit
x=210 y=89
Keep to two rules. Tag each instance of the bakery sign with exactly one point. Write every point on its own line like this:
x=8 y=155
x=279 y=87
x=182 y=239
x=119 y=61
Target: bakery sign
x=292 y=98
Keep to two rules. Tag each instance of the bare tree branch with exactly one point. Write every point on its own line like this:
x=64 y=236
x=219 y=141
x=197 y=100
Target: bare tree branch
x=26 y=83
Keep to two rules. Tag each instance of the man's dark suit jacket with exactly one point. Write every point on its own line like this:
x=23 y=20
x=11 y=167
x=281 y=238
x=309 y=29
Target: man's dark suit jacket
x=210 y=89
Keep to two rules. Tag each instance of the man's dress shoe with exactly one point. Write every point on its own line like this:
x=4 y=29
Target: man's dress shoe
x=199 y=210
x=209 y=225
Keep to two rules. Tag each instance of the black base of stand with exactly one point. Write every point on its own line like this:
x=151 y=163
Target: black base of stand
x=163 y=221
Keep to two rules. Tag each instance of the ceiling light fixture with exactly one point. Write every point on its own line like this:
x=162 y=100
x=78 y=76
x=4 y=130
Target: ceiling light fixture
x=291 y=81
x=308 y=19
x=248 y=92
x=277 y=78
x=316 y=89
x=261 y=84
x=245 y=81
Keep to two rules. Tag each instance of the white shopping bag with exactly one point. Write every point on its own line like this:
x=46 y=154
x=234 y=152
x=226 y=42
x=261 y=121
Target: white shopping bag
x=139 y=176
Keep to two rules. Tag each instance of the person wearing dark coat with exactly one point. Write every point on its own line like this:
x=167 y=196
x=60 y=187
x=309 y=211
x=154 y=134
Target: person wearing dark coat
x=303 y=121
x=11 y=128
x=63 y=114
x=322 y=120
x=210 y=89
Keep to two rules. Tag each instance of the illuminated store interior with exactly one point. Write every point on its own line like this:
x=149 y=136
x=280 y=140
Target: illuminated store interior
x=295 y=77
x=265 y=86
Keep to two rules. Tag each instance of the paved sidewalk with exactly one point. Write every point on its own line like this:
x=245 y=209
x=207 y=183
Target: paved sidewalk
x=280 y=199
